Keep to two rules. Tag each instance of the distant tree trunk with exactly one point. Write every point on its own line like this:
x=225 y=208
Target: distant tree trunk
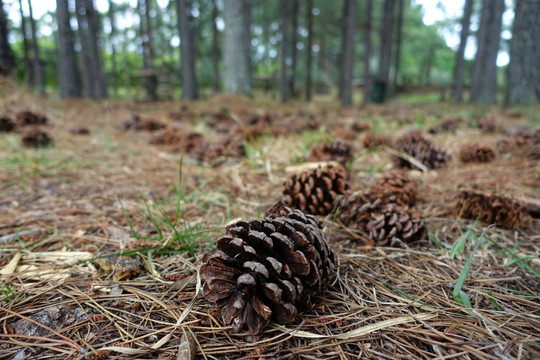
x=524 y=68
x=367 y=52
x=284 y=29
x=150 y=80
x=397 y=54
x=114 y=70
x=387 y=32
x=187 y=49
x=88 y=32
x=68 y=71
x=38 y=67
x=7 y=59
x=236 y=47
x=26 y=47
x=309 y=54
x=349 y=16
x=215 y=47
x=459 y=67
x=294 y=51
x=429 y=64
x=484 y=79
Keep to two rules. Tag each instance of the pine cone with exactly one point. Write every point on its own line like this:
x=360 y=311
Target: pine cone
x=385 y=223
x=178 y=139
x=35 y=137
x=27 y=117
x=491 y=208
x=446 y=125
x=315 y=191
x=6 y=124
x=371 y=141
x=477 y=153
x=414 y=144
x=137 y=123
x=397 y=184
x=337 y=151
x=268 y=269
x=227 y=146
x=487 y=125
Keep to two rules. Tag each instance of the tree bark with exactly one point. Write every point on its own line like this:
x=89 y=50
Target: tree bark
x=367 y=52
x=114 y=70
x=236 y=47
x=215 y=47
x=309 y=53
x=284 y=91
x=26 y=47
x=88 y=32
x=397 y=54
x=187 y=49
x=38 y=67
x=524 y=68
x=7 y=59
x=349 y=16
x=387 y=32
x=294 y=50
x=459 y=67
x=484 y=80
x=150 y=80
x=68 y=71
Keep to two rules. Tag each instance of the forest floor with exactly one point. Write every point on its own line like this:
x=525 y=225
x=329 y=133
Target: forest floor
x=65 y=207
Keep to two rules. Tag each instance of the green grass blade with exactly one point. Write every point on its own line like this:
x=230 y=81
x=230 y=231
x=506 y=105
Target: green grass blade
x=459 y=244
x=133 y=232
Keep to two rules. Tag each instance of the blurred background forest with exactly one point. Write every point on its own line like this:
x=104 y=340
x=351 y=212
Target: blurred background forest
x=482 y=51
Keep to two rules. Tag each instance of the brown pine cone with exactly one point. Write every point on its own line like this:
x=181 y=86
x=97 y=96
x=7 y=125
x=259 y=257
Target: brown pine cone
x=268 y=269
x=487 y=125
x=446 y=125
x=27 y=117
x=397 y=184
x=337 y=151
x=384 y=223
x=371 y=141
x=314 y=191
x=420 y=148
x=477 y=153
x=178 y=139
x=136 y=123
x=6 y=124
x=35 y=137
x=491 y=208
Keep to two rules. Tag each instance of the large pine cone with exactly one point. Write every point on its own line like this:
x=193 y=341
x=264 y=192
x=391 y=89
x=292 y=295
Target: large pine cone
x=6 y=124
x=315 y=191
x=25 y=118
x=477 y=153
x=420 y=148
x=372 y=140
x=491 y=208
x=268 y=269
x=397 y=184
x=35 y=137
x=337 y=151
x=385 y=223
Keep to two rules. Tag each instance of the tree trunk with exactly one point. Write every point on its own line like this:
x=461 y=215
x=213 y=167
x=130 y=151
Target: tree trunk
x=386 y=31
x=367 y=52
x=38 y=67
x=215 y=47
x=284 y=50
x=7 y=59
x=294 y=51
x=26 y=47
x=459 y=67
x=309 y=53
x=187 y=49
x=397 y=54
x=88 y=32
x=524 y=68
x=236 y=47
x=68 y=71
x=349 y=16
x=114 y=70
x=484 y=80
x=150 y=80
